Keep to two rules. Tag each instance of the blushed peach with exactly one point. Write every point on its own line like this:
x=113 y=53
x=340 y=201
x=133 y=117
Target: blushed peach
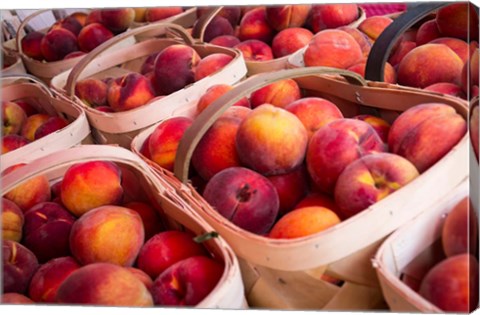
x=255 y=50
x=279 y=94
x=130 y=91
x=210 y=64
x=12 y=221
x=214 y=92
x=254 y=25
x=290 y=40
x=329 y=16
x=287 y=16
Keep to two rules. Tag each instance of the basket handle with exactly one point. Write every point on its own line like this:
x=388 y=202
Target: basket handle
x=161 y=27
x=383 y=46
x=23 y=25
x=28 y=77
x=207 y=117
x=204 y=21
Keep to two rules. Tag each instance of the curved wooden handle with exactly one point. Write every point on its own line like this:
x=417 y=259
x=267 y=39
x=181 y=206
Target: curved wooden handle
x=161 y=27
x=23 y=25
x=207 y=117
x=31 y=78
x=203 y=21
x=381 y=49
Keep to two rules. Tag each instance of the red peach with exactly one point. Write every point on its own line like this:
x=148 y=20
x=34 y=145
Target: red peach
x=12 y=221
x=458 y=20
x=400 y=51
x=28 y=107
x=58 y=43
x=254 y=25
x=389 y=74
x=218 y=26
x=161 y=13
x=52 y=124
x=92 y=91
x=460 y=47
x=69 y=23
x=381 y=126
x=225 y=41
x=214 y=92
x=18 y=266
x=211 y=64
x=117 y=20
x=130 y=91
x=32 y=123
x=74 y=54
x=93 y=35
x=427 y=32
x=287 y=16
x=290 y=40
x=446 y=88
x=94 y=16
x=362 y=39
x=15 y=298
x=151 y=220
x=279 y=94
x=148 y=64
x=255 y=50
x=13 y=142
x=31 y=45
x=328 y=16
x=291 y=188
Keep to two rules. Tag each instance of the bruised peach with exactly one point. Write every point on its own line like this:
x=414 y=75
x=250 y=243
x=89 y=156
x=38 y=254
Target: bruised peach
x=13 y=117
x=130 y=91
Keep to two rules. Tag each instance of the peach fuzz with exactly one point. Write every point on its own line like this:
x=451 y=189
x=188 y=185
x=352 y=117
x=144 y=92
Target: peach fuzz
x=152 y=222
x=460 y=230
x=290 y=40
x=46 y=280
x=111 y=234
x=32 y=123
x=452 y=284
x=117 y=20
x=214 y=92
x=216 y=150
x=332 y=48
x=93 y=35
x=314 y=112
x=427 y=32
x=303 y=222
x=88 y=185
x=370 y=179
x=130 y=91
x=15 y=298
x=291 y=188
x=31 y=45
x=337 y=144
x=287 y=16
x=271 y=140
x=13 y=117
x=12 y=221
x=13 y=142
x=459 y=20
x=165 y=249
x=415 y=130
x=211 y=64
x=104 y=284
x=254 y=25
x=255 y=50
x=58 y=43
x=279 y=94
x=429 y=64
x=373 y=26
x=244 y=197
x=329 y=16
x=18 y=266
x=30 y=192
x=164 y=140
x=381 y=126
x=92 y=91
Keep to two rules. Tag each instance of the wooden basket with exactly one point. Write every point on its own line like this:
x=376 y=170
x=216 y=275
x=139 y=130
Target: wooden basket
x=175 y=213
x=42 y=69
x=40 y=96
x=121 y=127
x=276 y=64
x=411 y=250
x=286 y=273
x=15 y=63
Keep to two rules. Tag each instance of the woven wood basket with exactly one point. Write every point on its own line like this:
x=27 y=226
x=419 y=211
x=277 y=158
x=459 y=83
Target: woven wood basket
x=175 y=213
x=14 y=62
x=121 y=127
x=285 y=274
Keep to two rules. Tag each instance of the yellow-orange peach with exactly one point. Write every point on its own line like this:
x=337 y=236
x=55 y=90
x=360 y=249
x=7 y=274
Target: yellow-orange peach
x=279 y=94
x=130 y=91
x=12 y=221
x=214 y=92
x=373 y=26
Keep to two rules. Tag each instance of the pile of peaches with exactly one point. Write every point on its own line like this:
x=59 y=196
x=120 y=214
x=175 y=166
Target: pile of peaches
x=76 y=34
x=283 y=164
x=93 y=237
x=23 y=123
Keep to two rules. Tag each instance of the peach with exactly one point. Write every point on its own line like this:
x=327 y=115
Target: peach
x=69 y=23
x=452 y=284
x=290 y=40
x=318 y=199
x=458 y=20
x=187 y=282
x=211 y=64
x=428 y=64
x=12 y=221
x=279 y=94
x=117 y=20
x=174 y=68
x=370 y=179
x=142 y=276
x=88 y=185
x=94 y=16
x=130 y=91
x=13 y=117
x=58 y=43
x=152 y=223
x=164 y=140
x=30 y=192
x=332 y=48
x=93 y=35
x=165 y=249
x=427 y=32
x=469 y=76
x=389 y=74
x=15 y=298
x=291 y=188
x=400 y=51
x=225 y=41
x=334 y=146
x=46 y=280
x=216 y=150
x=92 y=91
x=131 y=190
x=148 y=64
x=474 y=129
x=362 y=39
x=160 y=13
x=304 y=221
x=74 y=54
x=13 y=142
x=381 y=126
x=139 y=15
x=460 y=47
x=80 y=16
x=446 y=88
x=254 y=25
x=31 y=45
x=287 y=16
x=328 y=16
x=28 y=107
x=18 y=266
x=32 y=123
x=214 y=92
x=103 y=284
x=373 y=26
x=47 y=229
x=244 y=197
x=460 y=230
x=414 y=132
x=314 y=112
x=108 y=233
x=52 y=124
x=271 y=140
x=255 y=50
x=218 y=26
